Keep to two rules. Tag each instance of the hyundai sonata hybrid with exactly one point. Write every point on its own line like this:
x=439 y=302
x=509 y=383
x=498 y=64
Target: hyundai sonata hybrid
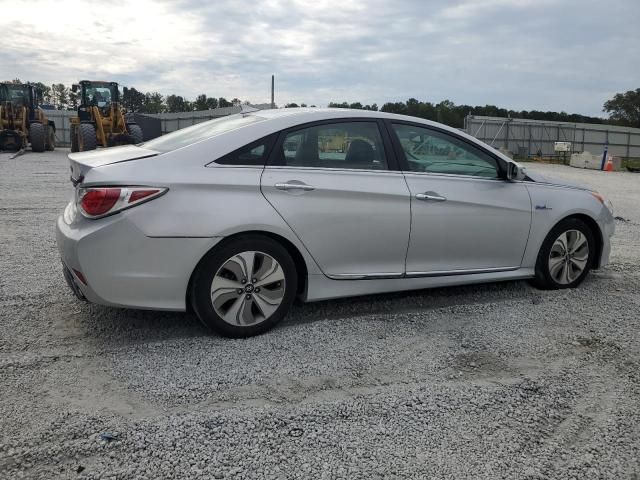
x=235 y=217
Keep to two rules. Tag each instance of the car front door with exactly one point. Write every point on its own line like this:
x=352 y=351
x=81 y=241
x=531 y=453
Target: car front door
x=465 y=217
x=336 y=186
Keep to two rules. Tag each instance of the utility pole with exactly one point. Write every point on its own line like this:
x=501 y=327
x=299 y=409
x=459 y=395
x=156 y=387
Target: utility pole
x=273 y=103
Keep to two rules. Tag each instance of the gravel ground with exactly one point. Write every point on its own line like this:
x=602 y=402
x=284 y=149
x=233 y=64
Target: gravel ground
x=488 y=381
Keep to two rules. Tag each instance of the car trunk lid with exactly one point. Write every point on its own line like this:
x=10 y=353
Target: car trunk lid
x=82 y=162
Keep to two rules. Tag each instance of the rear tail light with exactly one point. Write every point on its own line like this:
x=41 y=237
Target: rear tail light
x=97 y=202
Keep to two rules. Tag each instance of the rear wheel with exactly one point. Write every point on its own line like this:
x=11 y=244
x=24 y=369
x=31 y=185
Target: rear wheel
x=245 y=287
x=566 y=255
x=86 y=137
x=37 y=137
x=136 y=133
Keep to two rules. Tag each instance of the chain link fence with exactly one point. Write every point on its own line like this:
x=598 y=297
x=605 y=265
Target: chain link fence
x=526 y=138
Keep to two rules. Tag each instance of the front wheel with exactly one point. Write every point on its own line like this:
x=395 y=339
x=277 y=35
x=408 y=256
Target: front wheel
x=566 y=255
x=244 y=287
x=87 y=139
x=37 y=137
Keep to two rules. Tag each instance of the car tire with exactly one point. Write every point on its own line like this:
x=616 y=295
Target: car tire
x=136 y=133
x=37 y=137
x=566 y=255
x=87 y=137
x=244 y=287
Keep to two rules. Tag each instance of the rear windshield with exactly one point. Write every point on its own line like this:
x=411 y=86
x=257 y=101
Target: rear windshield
x=201 y=131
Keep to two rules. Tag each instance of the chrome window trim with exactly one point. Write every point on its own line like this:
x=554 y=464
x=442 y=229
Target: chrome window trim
x=325 y=169
x=455 y=175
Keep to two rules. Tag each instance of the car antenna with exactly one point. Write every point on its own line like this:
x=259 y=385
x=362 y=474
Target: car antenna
x=248 y=109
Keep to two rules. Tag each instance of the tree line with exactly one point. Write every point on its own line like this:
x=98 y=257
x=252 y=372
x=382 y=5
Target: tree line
x=453 y=115
x=64 y=98
x=623 y=108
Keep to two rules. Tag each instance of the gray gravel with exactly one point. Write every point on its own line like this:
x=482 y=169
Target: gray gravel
x=488 y=381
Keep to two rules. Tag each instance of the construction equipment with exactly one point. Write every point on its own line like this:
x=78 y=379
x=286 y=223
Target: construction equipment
x=101 y=121
x=22 y=121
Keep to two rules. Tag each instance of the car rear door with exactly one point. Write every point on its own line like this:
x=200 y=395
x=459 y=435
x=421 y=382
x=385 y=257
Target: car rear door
x=465 y=217
x=337 y=186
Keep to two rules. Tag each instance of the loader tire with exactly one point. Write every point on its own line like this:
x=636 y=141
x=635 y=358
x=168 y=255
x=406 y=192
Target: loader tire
x=136 y=133
x=51 y=139
x=87 y=137
x=74 y=139
x=37 y=137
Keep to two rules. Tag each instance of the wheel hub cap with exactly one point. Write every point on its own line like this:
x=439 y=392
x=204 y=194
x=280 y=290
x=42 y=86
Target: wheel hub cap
x=248 y=288
x=568 y=257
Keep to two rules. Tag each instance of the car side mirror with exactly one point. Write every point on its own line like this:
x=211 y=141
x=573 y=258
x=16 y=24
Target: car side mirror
x=515 y=172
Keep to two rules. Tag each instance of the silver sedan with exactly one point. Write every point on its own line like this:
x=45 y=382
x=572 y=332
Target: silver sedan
x=236 y=217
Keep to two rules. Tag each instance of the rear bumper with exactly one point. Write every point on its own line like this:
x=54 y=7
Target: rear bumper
x=71 y=281
x=123 y=267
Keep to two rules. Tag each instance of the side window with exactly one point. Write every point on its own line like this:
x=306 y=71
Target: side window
x=253 y=154
x=355 y=145
x=431 y=151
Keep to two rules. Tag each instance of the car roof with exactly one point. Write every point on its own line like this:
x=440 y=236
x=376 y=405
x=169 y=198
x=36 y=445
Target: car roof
x=291 y=117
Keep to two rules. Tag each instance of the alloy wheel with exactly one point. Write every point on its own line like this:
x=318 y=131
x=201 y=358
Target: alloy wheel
x=248 y=288
x=568 y=257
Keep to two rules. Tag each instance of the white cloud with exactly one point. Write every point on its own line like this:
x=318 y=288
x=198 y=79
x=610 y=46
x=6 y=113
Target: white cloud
x=526 y=54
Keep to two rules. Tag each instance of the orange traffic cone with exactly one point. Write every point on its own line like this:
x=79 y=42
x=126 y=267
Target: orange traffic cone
x=609 y=166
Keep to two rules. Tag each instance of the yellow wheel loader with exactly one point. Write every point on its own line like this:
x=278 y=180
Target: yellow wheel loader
x=22 y=121
x=101 y=120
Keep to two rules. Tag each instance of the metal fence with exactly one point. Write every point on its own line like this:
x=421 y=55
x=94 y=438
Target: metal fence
x=169 y=121
x=526 y=138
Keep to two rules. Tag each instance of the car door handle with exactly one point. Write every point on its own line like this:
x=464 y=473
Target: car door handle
x=295 y=186
x=430 y=197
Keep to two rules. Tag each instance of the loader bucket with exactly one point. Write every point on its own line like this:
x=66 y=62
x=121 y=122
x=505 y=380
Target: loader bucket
x=120 y=139
x=10 y=140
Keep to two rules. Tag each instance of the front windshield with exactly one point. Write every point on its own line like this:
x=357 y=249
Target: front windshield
x=15 y=94
x=99 y=94
x=201 y=131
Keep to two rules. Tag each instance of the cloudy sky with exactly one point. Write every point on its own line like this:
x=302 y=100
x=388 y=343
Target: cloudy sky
x=524 y=54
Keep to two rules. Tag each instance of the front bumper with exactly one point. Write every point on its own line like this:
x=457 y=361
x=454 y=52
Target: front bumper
x=123 y=267
x=607 y=227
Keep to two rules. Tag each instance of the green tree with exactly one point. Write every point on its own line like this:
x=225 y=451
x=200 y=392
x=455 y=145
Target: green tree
x=223 y=102
x=354 y=105
x=624 y=108
x=397 y=107
x=175 y=103
x=153 y=103
x=201 y=103
x=133 y=100
x=74 y=100
x=45 y=91
x=291 y=105
x=60 y=96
